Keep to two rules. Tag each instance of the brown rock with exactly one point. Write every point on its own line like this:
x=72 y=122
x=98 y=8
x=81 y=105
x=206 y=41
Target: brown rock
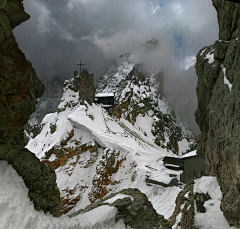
x=185 y=207
x=86 y=86
x=19 y=89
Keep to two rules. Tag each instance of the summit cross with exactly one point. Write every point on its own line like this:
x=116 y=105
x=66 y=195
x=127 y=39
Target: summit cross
x=80 y=67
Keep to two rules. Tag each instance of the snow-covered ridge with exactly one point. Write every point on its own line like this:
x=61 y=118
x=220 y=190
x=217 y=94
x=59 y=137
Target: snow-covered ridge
x=95 y=154
x=17 y=211
x=82 y=142
x=139 y=96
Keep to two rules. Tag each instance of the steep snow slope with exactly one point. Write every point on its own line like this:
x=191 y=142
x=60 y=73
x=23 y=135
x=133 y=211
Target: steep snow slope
x=95 y=154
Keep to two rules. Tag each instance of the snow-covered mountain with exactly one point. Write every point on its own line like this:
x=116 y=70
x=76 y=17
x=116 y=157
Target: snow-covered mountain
x=139 y=92
x=103 y=158
x=95 y=154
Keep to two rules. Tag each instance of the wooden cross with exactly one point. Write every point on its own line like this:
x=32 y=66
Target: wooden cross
x=80 y=67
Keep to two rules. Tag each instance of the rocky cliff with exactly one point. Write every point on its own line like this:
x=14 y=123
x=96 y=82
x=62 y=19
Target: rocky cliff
x=218 y=112
x=139 y=93
x=49 y=101
x=19 y=89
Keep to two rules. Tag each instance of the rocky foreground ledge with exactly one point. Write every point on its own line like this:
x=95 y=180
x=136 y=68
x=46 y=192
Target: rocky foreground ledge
x=19 y=89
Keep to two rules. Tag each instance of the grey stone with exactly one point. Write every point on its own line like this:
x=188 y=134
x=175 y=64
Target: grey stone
x=15 y=13
x=86 y=87
x=218 y=112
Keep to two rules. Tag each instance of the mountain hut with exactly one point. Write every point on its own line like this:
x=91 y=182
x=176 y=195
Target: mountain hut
x=194 y=166
x=173 y=163
x=106 y=99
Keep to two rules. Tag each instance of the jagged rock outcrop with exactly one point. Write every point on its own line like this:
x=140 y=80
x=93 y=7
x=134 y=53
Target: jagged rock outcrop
x=49 y=101
x=86 y=86
x=218 y=91
x=140 y=93
x=183 y=215
x=19 y=89
x=141 y=213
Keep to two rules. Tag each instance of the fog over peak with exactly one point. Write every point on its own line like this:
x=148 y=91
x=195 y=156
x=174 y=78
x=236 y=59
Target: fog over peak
x=61 y=33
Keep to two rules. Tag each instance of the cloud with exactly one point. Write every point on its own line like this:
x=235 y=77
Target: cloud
x=61 y=33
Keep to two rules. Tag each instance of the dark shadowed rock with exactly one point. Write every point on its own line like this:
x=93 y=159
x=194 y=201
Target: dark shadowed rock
x=136 y=210
x=19 y=89
x=184 y=207
x=218 y=112
x=86 y=86
x=201 y=198
x=141 y=212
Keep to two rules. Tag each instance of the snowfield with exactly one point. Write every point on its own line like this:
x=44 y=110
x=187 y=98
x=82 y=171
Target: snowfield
x=17 y=211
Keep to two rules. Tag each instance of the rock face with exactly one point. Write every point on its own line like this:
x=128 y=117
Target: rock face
x=19 y=89
x=218 y=112
x=183 y=215
x=141 y=213
x=48 y=103
x=86 y=86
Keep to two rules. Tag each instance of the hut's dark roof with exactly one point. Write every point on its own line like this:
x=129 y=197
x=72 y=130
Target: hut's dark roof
x=173 y=161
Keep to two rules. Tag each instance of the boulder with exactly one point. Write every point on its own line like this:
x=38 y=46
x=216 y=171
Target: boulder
x=135 y=210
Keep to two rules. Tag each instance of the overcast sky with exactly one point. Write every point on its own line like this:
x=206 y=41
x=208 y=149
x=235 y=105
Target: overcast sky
x=60 y=33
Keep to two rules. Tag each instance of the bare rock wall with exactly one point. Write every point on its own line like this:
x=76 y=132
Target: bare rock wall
x=19 y=89
x=218 y=112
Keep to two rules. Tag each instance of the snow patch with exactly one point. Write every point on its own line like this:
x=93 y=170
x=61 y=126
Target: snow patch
x=190 y=154
x=210 y=56
x=213 y=217
x=226 y=81
x=104 y=94
x=202 y=52
x=52 y=158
